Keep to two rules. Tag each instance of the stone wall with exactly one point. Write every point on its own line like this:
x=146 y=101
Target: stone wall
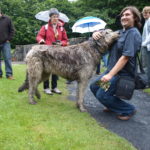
x=21 y=50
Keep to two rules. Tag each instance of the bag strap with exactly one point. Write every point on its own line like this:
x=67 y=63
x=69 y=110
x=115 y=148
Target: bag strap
x=136 y=67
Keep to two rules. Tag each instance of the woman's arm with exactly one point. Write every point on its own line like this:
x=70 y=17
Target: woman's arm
x=118 y=66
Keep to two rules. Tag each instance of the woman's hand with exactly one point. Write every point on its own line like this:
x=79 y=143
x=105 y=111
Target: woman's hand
x=96 y=35
x=42 y=42
x=106 y=78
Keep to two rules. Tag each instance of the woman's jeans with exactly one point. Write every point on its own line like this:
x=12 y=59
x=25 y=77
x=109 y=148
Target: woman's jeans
x=108 y=99
x=5 y=51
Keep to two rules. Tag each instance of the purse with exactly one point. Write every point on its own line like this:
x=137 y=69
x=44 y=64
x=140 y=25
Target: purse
x=125 y=87
x=141 y=79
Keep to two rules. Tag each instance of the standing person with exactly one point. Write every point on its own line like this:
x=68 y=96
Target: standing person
x=145 y=50
x=52 y=33
x=122 y=58
x=6 y=34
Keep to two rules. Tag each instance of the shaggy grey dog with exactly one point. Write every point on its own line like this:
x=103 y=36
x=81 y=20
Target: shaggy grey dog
x=76 y=62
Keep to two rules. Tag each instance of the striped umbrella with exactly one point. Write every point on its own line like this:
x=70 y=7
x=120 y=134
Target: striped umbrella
x=88 y=24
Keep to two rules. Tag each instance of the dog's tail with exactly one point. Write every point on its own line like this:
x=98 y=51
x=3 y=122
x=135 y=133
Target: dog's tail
x=25 y=84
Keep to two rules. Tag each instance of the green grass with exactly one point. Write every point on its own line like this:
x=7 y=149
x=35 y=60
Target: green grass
x=54 y=123
x=147 y=90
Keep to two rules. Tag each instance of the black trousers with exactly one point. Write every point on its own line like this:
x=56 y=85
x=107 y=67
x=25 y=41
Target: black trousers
x=54 y=79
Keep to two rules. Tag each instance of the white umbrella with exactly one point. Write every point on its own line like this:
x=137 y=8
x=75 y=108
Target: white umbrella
x=88 y=24
x=44 y=16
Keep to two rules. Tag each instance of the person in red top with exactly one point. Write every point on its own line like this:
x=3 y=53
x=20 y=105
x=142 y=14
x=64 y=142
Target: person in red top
x=49 y=34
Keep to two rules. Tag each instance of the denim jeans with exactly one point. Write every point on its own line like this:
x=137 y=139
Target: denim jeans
x=108 y=99
x=145 y=54
x=5 y=51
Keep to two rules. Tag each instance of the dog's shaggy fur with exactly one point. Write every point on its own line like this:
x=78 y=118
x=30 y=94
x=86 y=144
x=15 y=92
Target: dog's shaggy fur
x=76 y=62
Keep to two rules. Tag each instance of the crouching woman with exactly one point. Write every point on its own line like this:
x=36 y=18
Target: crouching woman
x=122 y=59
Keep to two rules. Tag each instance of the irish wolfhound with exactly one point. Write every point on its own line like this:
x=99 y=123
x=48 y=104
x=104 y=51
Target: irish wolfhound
x=75 y=62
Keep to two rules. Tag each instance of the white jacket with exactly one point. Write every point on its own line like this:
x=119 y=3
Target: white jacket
x=146 y=35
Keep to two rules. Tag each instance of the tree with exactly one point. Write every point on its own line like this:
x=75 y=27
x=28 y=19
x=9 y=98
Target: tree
x=22 y=13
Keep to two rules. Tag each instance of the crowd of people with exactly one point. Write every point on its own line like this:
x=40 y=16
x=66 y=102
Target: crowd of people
x=121 y=59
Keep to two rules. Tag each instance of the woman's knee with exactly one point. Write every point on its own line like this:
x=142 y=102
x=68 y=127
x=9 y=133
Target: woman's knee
x=103 y=97
x=94 y=88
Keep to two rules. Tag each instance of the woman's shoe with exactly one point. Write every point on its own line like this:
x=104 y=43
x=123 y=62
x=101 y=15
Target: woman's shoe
x=56 y=90
x=125 y=118
x=48 y=91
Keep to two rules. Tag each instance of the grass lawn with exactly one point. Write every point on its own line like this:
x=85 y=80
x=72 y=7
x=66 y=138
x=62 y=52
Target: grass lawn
x=147 y=91
x=54 y=123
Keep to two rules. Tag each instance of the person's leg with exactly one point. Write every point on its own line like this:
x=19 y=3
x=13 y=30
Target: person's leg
x=112 y=102
x=94 y=87
x=1 y=72
x=54 y=81
x=46 y=84
x=148 y=66
x=46 y=87
x=143 y=58
x=54 y=84
x=6 y=50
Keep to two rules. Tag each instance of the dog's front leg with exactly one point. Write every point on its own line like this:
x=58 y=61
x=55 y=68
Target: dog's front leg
x=80 y=95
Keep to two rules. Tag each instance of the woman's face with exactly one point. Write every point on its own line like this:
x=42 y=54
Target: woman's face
x=127 y=19
x=54 y=19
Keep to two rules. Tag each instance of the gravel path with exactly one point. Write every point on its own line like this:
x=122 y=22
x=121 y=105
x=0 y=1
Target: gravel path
x=136 y=130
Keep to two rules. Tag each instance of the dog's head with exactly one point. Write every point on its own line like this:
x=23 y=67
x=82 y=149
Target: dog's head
x=106 y=39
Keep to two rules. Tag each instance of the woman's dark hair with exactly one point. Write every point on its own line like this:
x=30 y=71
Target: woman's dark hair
x=136 y=14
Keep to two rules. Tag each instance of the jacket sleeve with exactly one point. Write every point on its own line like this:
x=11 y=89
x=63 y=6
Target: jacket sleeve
x=147 y=41
x=41 y=34
x=11 y=30
x=64 y=40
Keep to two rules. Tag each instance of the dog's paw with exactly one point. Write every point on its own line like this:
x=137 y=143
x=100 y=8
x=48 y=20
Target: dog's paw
x=82 y=109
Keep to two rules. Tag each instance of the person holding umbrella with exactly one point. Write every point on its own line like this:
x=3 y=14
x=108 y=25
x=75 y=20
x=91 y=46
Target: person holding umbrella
x=52 y=33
